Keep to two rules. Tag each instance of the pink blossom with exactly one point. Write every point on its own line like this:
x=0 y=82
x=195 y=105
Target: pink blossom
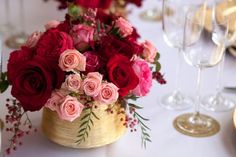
x=33 y=39
x=72 y=60
x=108 y=93
x=149 y=51
x=54 y=101
x=92 y=84
x=51 y=24
x=125 y=28
x=143 y=71
x=73 y=83
x=82 y=35
x=70 y=109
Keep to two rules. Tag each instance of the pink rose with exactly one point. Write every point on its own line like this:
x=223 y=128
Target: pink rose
x=92 y=84
x=72 y=60
x=143 y=71
x=125 y=28
x=51 y=24
x=82 y=36
x=56 y=97
x=108 y=93
x=149 y=51
x=33 y=39
x=70 y=109
x=73 y=83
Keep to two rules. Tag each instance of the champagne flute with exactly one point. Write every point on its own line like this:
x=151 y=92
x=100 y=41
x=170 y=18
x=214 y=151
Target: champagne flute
x=7 y=26
x=173 y=27
x=217 y=102
x=17 y=40
x=200 y=51
x=155 y=14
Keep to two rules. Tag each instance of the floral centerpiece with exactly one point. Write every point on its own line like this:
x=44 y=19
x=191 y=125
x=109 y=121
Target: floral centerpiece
x=86 y=63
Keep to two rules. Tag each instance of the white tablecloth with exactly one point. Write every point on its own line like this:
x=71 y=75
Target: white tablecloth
x=167 y=142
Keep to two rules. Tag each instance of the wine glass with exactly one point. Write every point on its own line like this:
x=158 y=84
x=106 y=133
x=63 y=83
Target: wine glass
x=217 y=102
x=173 y=28
x=155 y=14
x=200 y=51
x=16 y=40
x=7 y=26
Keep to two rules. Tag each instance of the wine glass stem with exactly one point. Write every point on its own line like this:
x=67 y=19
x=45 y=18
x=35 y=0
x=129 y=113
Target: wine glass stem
x=198 y=94
x=22 y=16
x=7 y=12
x=219 y=75
x=178 y=70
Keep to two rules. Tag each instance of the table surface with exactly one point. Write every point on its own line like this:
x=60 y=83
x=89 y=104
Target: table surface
x=167 y=142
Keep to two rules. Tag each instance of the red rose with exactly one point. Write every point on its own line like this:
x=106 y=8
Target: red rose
x=126 y=46
x=33 y=80
x=121 y=73
x=17 y=58
x=52 y=43
x=103 y=4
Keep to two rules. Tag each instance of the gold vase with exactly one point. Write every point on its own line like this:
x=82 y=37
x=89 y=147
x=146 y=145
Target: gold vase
x=108 y=129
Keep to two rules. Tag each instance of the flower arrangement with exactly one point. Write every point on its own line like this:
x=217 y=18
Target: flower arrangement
x=77 y=62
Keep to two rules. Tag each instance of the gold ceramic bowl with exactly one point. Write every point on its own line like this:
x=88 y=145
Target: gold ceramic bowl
x=108 y=129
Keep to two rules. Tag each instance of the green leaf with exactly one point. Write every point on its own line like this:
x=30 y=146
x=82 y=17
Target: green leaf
x=85 y=116
x=73 y=10
x=135 y=106
x=158 y=66
x=80 y=135
x=82 y=130
x=95 y=115
x=91 y=121
x=141 y=117
x=3 y=86
x=83 y=124
x=157 y=56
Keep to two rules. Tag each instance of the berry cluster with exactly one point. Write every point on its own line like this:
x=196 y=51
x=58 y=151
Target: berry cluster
x=14 y=120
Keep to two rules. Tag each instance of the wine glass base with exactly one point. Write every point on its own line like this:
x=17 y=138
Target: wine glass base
x=196 y=125
x=176 y=101
x=151 y=15
x=16 y=41
x=217 y=103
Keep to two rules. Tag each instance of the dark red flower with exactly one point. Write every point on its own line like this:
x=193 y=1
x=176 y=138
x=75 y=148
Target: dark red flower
x=33 y=80
x=136 y=2
x=65 y=25
x=53 y=43
x=103 y=4
x=92 y=61
x=104 y=17
x=17 y=58
x=121 y=73
x=127 y=47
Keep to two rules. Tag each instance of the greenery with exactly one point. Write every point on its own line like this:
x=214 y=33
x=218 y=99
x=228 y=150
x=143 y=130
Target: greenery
x=4 y=84
x=141 y=122
x=86 y=124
